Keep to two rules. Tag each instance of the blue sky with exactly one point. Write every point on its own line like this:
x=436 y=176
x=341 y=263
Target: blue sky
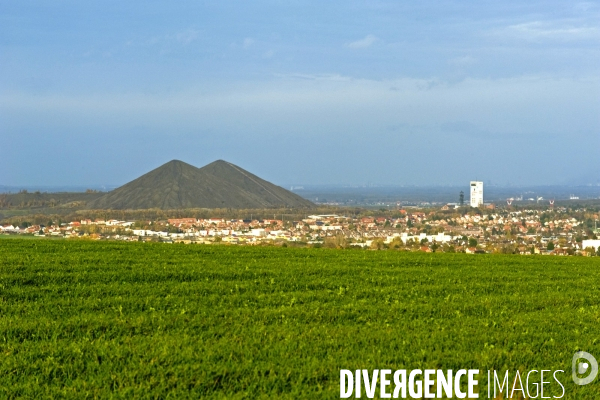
x=301 y=92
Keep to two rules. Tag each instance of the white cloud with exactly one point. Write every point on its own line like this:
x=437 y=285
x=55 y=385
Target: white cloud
x=585 y=6
x=367 y=41
x=314 y=77
x=462 y=61
x=248 y=42
x=185 y=37
x=538 y=30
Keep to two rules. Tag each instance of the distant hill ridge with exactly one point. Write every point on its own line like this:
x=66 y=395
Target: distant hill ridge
x=219 y=184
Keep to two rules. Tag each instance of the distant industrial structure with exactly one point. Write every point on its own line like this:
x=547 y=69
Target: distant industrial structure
x=476 y=194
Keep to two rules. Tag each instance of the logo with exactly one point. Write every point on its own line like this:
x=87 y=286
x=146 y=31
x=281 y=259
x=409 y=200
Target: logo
x=581 y=367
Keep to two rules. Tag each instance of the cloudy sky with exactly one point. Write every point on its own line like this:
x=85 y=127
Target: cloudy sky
x=301 y=92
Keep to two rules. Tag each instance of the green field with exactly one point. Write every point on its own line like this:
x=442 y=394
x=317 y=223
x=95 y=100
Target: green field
x=105 y=319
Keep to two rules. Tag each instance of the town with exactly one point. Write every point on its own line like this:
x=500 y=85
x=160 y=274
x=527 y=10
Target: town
x=558 y=231
x=476 y=227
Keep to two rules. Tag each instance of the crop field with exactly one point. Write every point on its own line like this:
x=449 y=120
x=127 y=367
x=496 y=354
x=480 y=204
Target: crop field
x=139 y=320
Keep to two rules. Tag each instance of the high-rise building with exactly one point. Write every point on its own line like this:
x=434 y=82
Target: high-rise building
x=476 y=194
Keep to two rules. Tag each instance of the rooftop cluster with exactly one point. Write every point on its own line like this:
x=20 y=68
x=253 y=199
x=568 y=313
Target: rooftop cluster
x=552 y=231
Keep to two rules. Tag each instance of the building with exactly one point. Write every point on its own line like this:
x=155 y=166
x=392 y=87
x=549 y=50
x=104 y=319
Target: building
x=595 y=243
x=476 y=193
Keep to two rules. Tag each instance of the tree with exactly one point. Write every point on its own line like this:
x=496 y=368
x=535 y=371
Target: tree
x=590 y=250
x=336 y=242
x=377 y=244
x=446 y=248
x=550 y=246
x=396 y=243
x=472 y=242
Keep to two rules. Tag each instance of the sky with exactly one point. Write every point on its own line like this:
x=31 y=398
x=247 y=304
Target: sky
x=301 y=92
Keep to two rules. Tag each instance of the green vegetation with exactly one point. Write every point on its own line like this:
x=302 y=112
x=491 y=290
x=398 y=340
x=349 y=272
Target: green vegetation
x=37 y=200
x=107 y=319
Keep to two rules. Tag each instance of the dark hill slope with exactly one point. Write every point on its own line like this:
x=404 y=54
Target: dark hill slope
x=177 y=185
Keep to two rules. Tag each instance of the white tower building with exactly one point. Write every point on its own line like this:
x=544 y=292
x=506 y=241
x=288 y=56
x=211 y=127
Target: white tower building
x=476 y=194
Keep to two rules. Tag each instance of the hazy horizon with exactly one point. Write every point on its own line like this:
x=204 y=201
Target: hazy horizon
x=348 y=93
x=359 y=196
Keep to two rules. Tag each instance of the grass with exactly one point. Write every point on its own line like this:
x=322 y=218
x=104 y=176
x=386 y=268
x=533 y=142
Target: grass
x=121 y=320
x=5 y=236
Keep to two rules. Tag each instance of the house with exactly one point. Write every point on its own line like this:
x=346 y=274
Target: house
x=595 y=243
x=181 y=221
